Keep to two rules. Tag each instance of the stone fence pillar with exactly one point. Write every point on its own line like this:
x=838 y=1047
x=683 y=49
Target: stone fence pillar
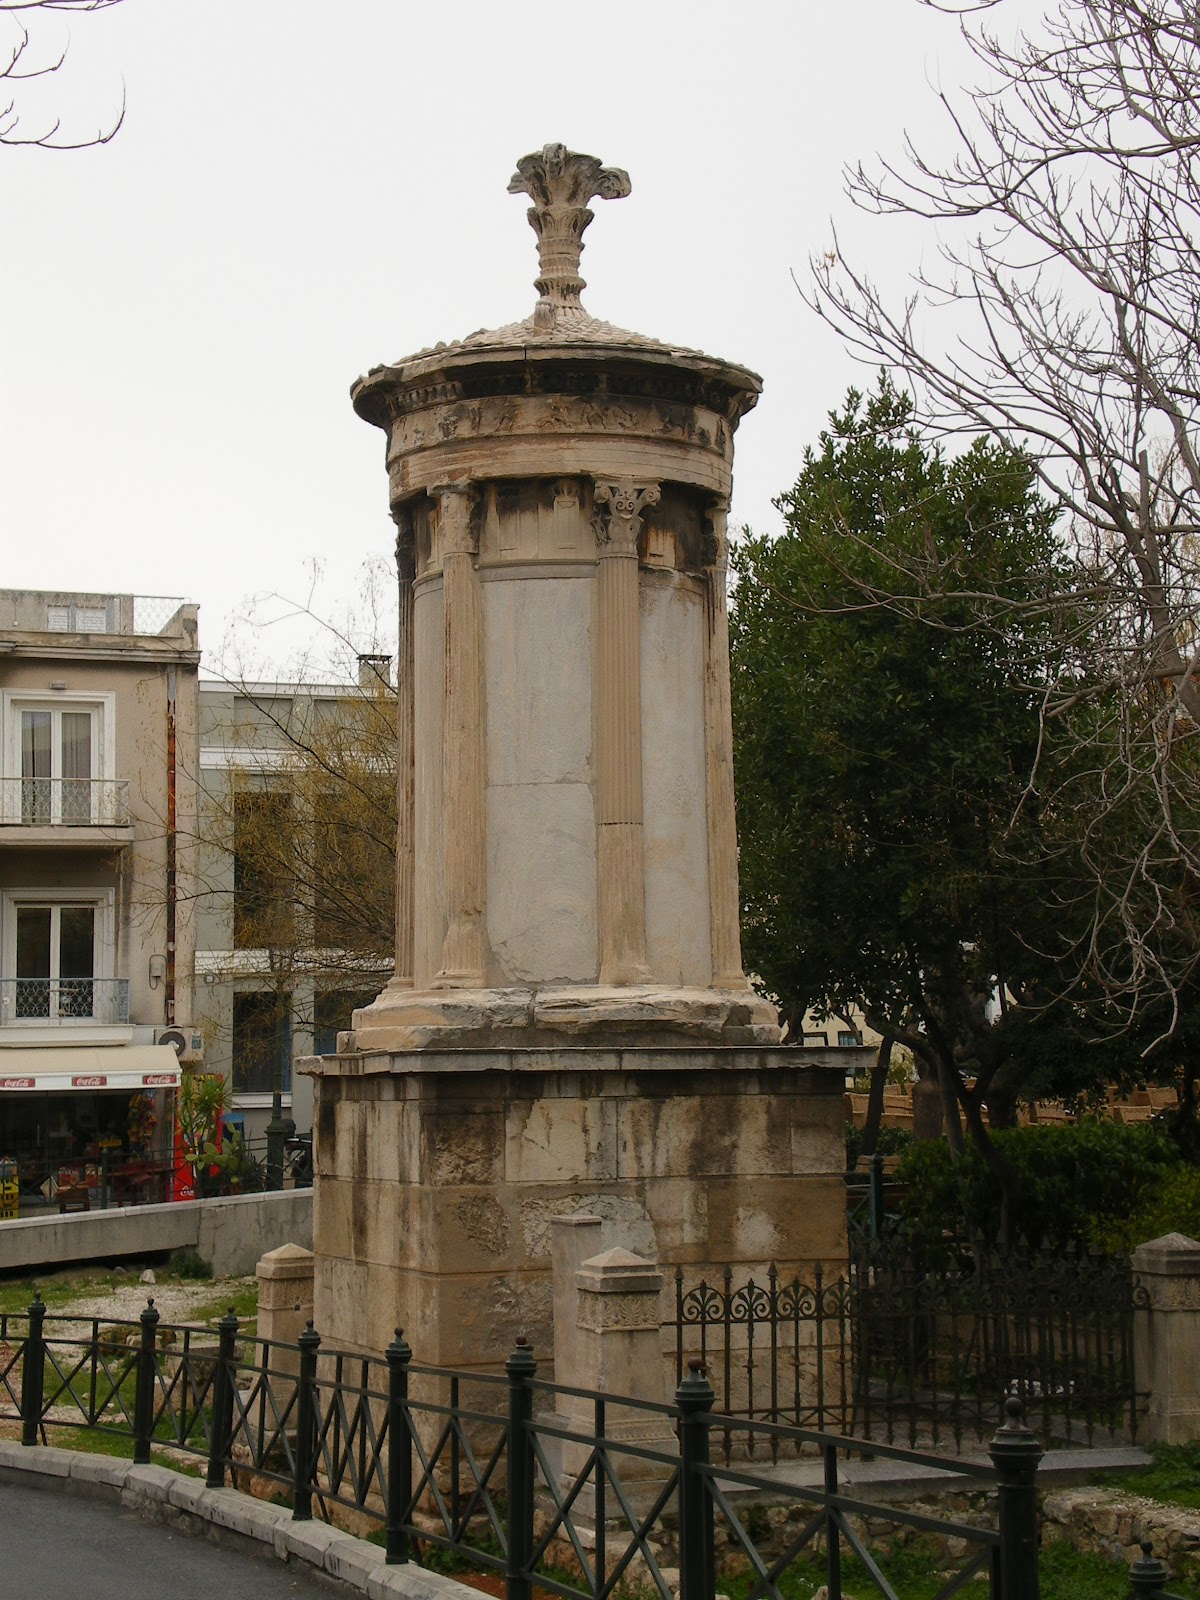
x=615 y=1347
x=285 y=1305
x=1166 y=1338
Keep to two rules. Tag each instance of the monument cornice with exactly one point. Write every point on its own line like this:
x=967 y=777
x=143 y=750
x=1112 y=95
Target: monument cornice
x=600 y=369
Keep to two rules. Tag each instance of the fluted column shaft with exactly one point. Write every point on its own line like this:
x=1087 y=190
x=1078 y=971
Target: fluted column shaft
x=405 y=752
x=724 y=902
x=621 y=868
x=463 y=749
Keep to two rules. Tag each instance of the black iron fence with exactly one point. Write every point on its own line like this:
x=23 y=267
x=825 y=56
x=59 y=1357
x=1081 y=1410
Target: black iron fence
x=917 y=1345
x=581 y=1492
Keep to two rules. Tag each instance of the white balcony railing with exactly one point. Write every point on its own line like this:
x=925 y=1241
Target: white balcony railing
x=63 y=1000
x=64 y=802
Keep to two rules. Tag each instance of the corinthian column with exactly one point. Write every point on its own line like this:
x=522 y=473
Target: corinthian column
x=405 y=572
x=724 y=906
x=621 y=868
x=463 y=750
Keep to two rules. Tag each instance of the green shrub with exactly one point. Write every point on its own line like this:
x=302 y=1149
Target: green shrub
x=1079 y=1182
x=188 y=1264
x=891 y=1142
x=1172 y=1205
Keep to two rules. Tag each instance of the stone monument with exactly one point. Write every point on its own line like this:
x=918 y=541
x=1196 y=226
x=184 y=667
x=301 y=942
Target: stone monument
x=569 y=1026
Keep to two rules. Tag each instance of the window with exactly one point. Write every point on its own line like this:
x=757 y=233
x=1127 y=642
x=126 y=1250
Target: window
x=816 y=1041
x=332 y=1010
x=262 y=1042
x=56 y=959
x=263 y=892
x=58 y=747
x=76 y=619
x=847 y=1041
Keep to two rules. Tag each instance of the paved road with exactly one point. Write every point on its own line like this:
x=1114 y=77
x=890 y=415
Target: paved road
x=53 y=1543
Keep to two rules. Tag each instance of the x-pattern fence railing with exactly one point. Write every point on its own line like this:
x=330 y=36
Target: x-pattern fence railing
x=588 y=1498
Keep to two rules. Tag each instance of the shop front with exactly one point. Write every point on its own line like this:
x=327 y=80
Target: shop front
x=89 y=1126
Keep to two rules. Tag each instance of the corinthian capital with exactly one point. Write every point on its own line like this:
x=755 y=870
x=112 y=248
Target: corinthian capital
x=459 y=524
x=561 y=182
x=626 y=501
x=715 y=548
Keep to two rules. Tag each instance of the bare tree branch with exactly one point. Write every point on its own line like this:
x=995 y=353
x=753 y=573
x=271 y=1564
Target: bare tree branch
x=19 y=63
x=1062 y=315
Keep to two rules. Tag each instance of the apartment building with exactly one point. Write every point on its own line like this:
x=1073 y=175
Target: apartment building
x=98 y=707
x=296 y=830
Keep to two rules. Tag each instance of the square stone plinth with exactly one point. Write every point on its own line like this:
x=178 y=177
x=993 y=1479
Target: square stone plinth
x=438 y=1174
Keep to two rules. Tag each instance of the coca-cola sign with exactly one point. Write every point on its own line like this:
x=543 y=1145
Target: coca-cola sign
x=16 y=1083
x=94 y=1081
x=153 y=1079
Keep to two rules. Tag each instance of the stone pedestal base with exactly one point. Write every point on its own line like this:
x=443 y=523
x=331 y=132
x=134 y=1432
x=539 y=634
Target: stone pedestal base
x=438 y=1174
x=618 y=1015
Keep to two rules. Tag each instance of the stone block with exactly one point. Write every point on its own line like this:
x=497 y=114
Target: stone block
x=462 y=1146
x=561 y=1140
x=537 y=660
x=242 y=1513
x=678 y=941
x=147 y=1484
x=306 y=1541
x=48 y=1460
x=410 y=1582
x=544 y=925
x=87 y=1468
x=190 y=1494
x=353 y=1561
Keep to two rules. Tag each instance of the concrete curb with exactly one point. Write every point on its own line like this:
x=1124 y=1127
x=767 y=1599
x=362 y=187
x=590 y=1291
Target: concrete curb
x=160 y=1495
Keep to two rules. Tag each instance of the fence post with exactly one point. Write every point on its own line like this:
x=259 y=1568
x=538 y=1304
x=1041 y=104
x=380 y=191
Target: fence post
x=875 y=1195
x=1015 y=1454
x=1149 y=1575
x=306 y=1418
x=833 y=1543
x=143 y=1403
x=399 y=1475
x=33 y=1371
x=520 y=1368
x=222 y=1400
x=697 y=1566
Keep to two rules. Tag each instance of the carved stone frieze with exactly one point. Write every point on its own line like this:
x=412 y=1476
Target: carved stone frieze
x=508 y=415
x=599 y=1313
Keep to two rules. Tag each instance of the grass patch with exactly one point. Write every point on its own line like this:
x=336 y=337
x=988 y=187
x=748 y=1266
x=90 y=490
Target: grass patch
x=1173 y=1477
x=60 y=1288
x=99 y=1442
x=1072 y=1575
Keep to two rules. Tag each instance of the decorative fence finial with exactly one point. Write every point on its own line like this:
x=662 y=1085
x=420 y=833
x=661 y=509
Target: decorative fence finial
x=561 y=182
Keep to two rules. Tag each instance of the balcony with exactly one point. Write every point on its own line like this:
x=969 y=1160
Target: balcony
x=77 y=812
x=63 y=1002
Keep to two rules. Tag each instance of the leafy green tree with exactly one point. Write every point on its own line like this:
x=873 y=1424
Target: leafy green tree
x=885 y=729
x=1058 y=310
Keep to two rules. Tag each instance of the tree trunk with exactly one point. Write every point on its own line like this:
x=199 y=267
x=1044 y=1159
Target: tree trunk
x=879 y=1074
x=928 y=1108
x=999 y=1166
x=948 y=1087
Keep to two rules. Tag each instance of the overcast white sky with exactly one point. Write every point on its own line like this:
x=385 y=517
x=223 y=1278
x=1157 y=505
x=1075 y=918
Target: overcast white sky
x=303 y=190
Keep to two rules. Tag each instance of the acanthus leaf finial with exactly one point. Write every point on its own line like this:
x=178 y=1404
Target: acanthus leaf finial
x=560 y=183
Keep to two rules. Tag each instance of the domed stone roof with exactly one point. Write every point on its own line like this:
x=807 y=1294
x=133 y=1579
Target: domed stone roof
x=560 y=183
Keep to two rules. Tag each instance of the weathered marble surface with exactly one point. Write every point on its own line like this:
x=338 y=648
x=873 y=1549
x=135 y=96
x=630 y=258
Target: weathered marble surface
x=706 y=1157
